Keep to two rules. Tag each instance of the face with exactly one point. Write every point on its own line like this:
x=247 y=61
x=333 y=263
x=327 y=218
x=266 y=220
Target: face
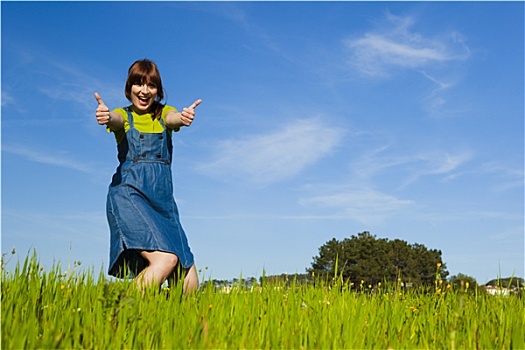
x=142 y=97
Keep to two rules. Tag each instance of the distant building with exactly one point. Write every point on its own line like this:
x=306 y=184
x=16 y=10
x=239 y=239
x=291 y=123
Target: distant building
x=497 y=290
x=505 y=286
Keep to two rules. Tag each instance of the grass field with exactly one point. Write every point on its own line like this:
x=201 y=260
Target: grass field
x=80 y=310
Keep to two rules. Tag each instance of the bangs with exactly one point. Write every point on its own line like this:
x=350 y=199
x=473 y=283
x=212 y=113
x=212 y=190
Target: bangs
x=138 y=76
x=144 y=72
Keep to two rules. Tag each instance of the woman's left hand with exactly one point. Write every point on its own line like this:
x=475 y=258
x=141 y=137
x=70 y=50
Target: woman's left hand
x=188 y=114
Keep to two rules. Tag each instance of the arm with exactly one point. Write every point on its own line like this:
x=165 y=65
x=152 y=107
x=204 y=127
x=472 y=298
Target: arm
x=112 y=120
x=176 y=120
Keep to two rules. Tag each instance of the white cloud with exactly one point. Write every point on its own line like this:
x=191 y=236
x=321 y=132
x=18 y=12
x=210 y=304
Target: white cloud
x=59 y=159
x=508 y=178
x=90 y=225
x=7 y=98
x=376 y=53
x=410 y=167
x=365 y=205
x=75 y=85
x=275 y=156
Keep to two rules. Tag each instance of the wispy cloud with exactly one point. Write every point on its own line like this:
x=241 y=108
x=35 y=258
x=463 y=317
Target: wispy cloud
x=276 y=156
x=91 y=225
x=377 y=53
x=56 y=80
x=513 y=235
x=409 y=167
x=438 y=163
x=74 y=84
x=509 y=178
x=365 y=205
x=59 y=159
x=7 y=98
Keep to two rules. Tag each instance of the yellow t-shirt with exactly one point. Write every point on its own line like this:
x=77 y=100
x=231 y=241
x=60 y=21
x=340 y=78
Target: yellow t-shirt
x=142 y=122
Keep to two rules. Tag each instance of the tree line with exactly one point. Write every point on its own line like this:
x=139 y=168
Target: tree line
x=364 y=259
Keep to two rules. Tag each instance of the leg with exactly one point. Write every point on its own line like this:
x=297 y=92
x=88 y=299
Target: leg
x=191 y=280
x=160 y=266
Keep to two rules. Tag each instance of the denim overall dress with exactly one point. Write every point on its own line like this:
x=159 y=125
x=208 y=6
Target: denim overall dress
x=141 y=211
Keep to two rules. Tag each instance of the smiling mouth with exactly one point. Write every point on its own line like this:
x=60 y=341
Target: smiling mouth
x=143 y=100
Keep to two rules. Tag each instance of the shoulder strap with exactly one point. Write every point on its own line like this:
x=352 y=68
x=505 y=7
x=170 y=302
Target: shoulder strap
x=162 y=122
x=130 y=118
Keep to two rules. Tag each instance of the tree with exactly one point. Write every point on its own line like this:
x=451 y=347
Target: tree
x=461 y=281
x=371 y=260
x=509 y=282
x=285 y=279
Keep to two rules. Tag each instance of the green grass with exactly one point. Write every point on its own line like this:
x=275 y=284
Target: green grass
x=80 y=310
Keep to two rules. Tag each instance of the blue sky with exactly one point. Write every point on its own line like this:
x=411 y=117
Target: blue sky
x=319 y=120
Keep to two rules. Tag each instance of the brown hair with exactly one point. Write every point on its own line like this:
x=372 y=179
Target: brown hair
x=146 y=72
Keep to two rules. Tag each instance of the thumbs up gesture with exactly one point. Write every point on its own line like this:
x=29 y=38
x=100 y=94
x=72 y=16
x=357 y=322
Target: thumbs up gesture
x=188 y=114
x=102 y=111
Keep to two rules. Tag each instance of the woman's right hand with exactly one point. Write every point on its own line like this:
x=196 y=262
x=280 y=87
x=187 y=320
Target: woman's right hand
x=102 y=112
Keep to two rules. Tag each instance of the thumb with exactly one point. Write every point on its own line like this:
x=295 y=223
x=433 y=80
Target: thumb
x=196 y=103
x=99 y=99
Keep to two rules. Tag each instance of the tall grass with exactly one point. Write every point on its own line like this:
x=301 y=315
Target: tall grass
x=79 y=310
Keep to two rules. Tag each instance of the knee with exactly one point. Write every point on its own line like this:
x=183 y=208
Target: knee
x=163 y=261
x=191 y=281
x=170 y=261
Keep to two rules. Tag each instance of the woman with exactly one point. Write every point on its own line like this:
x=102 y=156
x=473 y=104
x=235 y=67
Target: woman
x=147 y=238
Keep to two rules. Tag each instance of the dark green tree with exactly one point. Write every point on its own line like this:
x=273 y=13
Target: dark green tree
x=460 y=281
x=365 y=258
x=508 y=282
x=402 y=262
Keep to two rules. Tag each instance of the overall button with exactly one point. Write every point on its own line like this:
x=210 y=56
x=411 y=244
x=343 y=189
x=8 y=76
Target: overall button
x=141 y=136
x=143 y=155
x=166 y=161
x=159 y=156
x=161 y=137
x=135 y=159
